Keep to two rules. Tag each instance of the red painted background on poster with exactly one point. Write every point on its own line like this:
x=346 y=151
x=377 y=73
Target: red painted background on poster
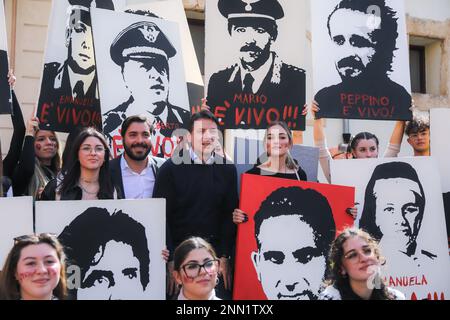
x=255 y=189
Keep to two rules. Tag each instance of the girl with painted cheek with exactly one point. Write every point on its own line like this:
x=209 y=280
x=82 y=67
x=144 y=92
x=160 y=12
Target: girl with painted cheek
x=39 y=161
x=196 y=268
x=34 y=270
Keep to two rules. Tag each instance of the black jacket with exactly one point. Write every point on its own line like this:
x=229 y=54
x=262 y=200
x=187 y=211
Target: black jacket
x=75 y=193
x=200 y=199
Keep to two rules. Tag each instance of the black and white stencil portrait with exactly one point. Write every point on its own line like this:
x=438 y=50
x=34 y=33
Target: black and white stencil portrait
x=361 y=59
x=253 y=62
x=113 y=247
x=141 y=72
x=173 y=10
x=69 y=93
x=439 y=133
x=400 y=203
x=5 y=91
x=16 y=215
x=281 y=251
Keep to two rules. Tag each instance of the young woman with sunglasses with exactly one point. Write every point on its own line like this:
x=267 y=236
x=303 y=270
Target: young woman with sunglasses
x=34 y=269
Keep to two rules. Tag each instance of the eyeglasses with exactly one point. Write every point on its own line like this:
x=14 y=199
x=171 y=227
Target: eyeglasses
x=354 y=255
x=89 y=149
x=192 y=270
x=30 y=237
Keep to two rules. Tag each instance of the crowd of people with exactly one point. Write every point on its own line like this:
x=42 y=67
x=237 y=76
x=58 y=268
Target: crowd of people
x=35 y=267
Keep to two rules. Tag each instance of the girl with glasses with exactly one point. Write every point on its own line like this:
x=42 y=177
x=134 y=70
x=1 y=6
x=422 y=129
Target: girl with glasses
x=86 y=176
x=196 y=268
x=354 y=261
x=34 y=270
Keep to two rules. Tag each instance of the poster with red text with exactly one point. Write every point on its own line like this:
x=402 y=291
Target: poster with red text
x=69 y=94
x=361 y=59
x=281 y=250
x=253 y=66
x=399 y=202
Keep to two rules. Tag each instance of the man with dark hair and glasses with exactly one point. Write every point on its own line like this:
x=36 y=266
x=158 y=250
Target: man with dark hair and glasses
x=112 y=253
x=294 y=228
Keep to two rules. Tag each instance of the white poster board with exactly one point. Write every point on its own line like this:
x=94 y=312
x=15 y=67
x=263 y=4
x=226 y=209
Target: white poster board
x=68 y=95
x=399 y=201
x=114 y=246
x=173 y=10
x=141 y=72
x=254 y=69
x=17 y=220
x=361 y=59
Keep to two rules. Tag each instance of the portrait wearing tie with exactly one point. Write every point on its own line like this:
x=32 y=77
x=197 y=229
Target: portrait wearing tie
x=69 y=92
x=259 y=88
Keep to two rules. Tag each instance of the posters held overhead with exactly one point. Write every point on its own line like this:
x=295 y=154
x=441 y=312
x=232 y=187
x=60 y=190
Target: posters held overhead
x=173 y=10
x=253 y=66
x=69 y=92
x=360 y=59
x=141 y=72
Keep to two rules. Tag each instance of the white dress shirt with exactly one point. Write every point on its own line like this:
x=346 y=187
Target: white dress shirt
x=137 y=185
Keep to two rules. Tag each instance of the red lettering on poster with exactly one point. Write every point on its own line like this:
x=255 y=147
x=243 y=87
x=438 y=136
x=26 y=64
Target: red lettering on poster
x=368 y=106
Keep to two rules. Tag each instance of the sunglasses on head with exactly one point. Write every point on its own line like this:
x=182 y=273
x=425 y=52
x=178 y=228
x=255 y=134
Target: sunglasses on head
x=30 y=237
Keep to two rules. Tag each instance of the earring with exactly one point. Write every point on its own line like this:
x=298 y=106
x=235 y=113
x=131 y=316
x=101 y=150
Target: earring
x=217 y=281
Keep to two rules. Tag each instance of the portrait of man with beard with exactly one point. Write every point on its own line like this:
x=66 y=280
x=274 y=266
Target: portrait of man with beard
x=365 y=35
x=259 y=80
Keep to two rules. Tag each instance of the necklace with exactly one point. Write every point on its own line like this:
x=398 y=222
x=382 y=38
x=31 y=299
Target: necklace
x=87 y=181
x=87 y=191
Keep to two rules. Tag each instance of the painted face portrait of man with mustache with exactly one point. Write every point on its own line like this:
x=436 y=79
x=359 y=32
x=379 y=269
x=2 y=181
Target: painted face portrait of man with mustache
x=253 y=37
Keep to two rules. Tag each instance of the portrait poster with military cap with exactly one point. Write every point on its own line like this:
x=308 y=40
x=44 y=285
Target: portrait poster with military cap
x=399 y=202
x=69 y=86
x=141 y=72
x=173 y=10
x=16 y=215
x=281 y=250
x=361 y=59
x=5 y=90
x=254 y=63
x=113 y=247
x=439 y=133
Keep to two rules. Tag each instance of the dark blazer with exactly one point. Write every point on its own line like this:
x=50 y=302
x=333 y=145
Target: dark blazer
x=115 y=172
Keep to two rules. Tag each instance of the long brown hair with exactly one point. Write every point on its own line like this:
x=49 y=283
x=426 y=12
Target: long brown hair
x=336 y=255
x=290 y=163
x=55 y=165
x=9 y=286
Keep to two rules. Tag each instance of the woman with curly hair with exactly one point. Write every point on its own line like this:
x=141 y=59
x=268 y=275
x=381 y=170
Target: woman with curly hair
x=354 y=261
